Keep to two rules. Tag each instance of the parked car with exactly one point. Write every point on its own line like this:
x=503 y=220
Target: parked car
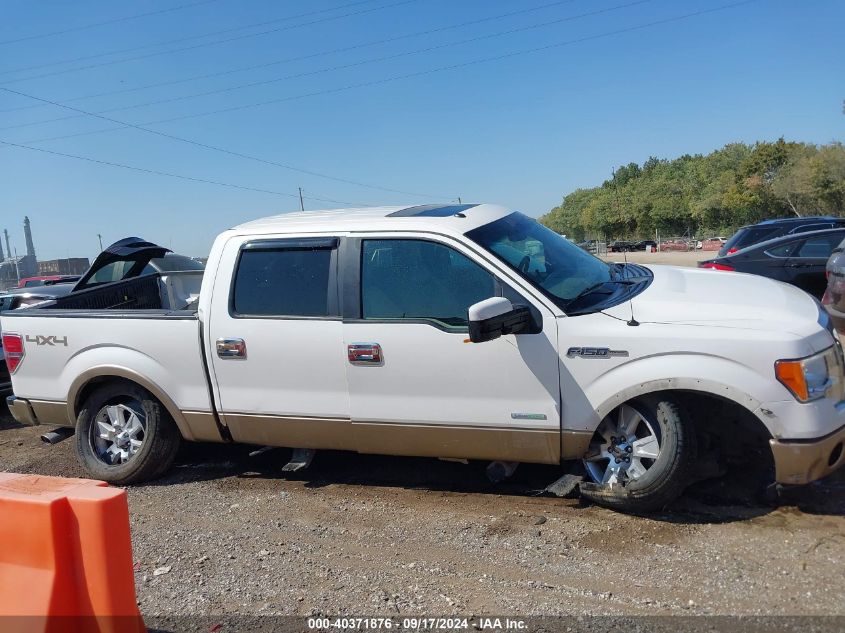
x=18 y=298
x=133 y=257
x=771 y=229
x=644 y=244
x=589 y=245
x=834 y=296
x=674 y=245
x=312 y=332
x=711 y=244
x=621 y=246
x=797 y=259
x=45 y=280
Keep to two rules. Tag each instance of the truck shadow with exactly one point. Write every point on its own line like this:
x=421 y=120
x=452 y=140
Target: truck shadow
x=734 y=497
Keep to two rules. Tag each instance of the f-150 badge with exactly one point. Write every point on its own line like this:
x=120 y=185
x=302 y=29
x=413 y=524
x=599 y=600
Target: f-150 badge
x=594 y=352
x=39 y=339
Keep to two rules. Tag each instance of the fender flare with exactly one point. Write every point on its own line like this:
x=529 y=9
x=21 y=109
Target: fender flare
x=704 y=386
x=115 y=371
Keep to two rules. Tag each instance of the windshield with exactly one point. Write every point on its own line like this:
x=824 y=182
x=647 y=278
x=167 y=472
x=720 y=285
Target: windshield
x=560 y=269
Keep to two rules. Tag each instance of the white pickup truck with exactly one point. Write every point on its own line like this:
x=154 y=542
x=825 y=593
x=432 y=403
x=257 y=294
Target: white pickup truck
x=461 y=332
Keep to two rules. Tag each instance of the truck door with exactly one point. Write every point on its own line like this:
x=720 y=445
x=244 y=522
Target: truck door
x=275 y=341
x=417 y=386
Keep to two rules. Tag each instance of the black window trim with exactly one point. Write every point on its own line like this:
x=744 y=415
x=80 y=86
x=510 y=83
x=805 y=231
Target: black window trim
x=334 y=244
x=352 y=262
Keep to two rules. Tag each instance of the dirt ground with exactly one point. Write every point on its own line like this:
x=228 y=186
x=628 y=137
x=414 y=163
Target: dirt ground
x=225 y=533
x=690 y=258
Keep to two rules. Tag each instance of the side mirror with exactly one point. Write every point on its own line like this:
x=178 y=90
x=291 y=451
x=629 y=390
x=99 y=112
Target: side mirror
x=491 y=318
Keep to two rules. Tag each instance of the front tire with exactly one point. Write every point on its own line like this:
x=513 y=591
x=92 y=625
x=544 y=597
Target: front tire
x=641 y=455
x=124 y=435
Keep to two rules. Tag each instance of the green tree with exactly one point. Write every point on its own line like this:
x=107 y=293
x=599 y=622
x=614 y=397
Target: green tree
x=735 y=185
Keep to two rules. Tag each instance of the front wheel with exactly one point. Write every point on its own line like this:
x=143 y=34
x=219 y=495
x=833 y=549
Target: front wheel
x=641 y=455
x=124 y=435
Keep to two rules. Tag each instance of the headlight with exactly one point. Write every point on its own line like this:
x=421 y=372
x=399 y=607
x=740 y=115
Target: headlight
x=813 y=377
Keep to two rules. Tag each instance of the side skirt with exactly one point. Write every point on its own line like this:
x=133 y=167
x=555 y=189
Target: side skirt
x=541 y=446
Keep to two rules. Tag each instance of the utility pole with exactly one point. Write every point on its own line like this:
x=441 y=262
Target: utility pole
x=459 y=200
x=17 y=267
x=301 y=203
x=100 y=238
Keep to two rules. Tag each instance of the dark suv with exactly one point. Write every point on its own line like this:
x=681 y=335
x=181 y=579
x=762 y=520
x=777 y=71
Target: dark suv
x=770 y=229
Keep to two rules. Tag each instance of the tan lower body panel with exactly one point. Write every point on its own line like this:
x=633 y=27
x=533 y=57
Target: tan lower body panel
x=202 y=426
x=22 y=411
x=800 y=462
x=574 y=444
x=520 y=445
x=51 y=412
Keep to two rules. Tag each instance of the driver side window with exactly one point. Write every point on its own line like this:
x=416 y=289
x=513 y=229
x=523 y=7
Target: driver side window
x=417 y=279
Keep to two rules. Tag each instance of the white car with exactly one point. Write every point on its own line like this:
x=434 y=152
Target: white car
x=464 y=331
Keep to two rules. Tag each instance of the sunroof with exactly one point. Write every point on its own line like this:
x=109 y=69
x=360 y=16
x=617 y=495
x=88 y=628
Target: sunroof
x=432 y=211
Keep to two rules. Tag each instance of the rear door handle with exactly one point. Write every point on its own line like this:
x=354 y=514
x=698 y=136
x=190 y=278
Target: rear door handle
x=231 y=348
x=364 y=353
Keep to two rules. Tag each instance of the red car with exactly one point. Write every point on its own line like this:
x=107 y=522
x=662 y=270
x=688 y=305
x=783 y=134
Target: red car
x=674 y=245
x=44 y=280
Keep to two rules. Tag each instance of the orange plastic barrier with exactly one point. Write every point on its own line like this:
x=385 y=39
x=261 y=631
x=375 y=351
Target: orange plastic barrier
x=65 y=557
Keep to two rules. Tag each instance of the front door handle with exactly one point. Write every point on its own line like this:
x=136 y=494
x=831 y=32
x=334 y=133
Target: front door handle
x=231 y=348
x=364 y=353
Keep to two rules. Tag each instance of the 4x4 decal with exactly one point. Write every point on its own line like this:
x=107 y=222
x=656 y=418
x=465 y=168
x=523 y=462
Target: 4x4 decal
x=39 y=339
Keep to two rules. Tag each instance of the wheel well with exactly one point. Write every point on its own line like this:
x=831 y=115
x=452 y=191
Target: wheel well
x=99 y=381
x=728 y=431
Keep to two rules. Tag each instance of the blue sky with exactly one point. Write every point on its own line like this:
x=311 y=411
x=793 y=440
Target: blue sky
x=522 y=130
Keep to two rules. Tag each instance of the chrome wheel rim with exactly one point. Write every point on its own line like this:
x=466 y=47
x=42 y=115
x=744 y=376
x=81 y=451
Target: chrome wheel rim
x=624 y=448
x=118 y=433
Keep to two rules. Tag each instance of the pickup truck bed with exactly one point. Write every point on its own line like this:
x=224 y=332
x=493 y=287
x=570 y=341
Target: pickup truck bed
x=68 y=335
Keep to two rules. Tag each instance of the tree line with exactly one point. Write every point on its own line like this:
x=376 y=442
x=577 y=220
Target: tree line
x=714 y=194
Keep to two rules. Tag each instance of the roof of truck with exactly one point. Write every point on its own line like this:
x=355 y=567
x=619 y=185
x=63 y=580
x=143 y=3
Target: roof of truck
x=378 y=218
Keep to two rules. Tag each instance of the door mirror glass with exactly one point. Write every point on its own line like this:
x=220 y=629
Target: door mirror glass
x=494 y=317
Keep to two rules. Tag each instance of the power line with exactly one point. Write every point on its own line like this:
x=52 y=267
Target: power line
x=169 y=174
x=373 y=60
x=125 y=18
x=412 y=75
x=196 y=46
x=287 y=60
x=222 y=150
x=430 y=71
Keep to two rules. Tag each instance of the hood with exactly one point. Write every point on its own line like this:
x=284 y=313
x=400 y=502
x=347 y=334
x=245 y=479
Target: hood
x=694 y=296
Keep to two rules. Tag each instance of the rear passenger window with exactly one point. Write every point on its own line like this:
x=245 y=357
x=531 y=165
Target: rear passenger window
x=417 y=279
x=821 y=246
x=283 y=282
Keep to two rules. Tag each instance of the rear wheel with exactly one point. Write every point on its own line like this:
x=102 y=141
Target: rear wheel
x=641 y=455
x=124 y=435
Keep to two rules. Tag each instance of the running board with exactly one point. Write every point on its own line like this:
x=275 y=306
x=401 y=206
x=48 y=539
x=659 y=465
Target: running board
x=300 y=459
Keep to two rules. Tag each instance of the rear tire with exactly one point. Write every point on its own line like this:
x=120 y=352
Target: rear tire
x=641 y=484
x=124 y=435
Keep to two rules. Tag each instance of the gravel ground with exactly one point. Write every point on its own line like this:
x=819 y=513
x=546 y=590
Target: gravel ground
x=224 y=533
x=672 y=258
